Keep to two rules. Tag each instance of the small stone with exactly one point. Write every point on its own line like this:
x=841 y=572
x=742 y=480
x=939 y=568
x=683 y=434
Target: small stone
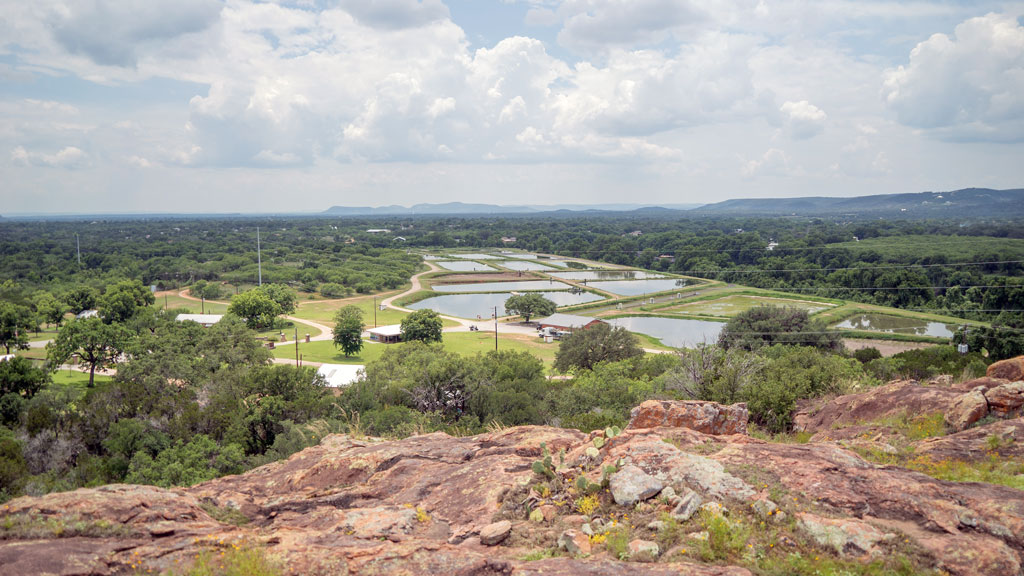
x=586 y=529
x=574 y=542
x=643 y=551
x=668 y=494
x=687 y=506
x=701 y=536
x=495 y=533
x=656 y=525
x=549 y=511
x=574 y=520
x=765 y=509
x=631 y=485
x=536 y=516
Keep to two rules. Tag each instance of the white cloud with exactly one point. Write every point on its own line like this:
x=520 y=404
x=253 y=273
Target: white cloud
x=396 y=14
x=598 y=25
x=68 y=157
x=774 y=162
x=968 y=86
x=803 y=120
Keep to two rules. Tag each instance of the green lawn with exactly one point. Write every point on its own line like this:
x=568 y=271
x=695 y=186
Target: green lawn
x=326 y=352
x=173 y=301
x=729 y=306
x=324 y=312
x=461 y=342
x=76 y=378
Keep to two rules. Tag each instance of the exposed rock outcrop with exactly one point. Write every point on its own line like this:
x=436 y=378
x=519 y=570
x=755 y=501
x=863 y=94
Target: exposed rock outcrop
x=894 y=399
x=966 y=409
x=1010 y=369
x=706 y=417
x=426 y=504
x=1001 y=438
x=1006 y=401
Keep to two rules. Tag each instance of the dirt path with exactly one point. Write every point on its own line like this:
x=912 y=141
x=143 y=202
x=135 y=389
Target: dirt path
x=886 y=347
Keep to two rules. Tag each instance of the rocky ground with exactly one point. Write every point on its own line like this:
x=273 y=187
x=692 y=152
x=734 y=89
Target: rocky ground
x=683 y=490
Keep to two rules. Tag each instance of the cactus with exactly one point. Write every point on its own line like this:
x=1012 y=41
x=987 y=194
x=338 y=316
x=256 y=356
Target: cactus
x=599 y=442
x=544 y=467
x=584 y=486
x=612 y=432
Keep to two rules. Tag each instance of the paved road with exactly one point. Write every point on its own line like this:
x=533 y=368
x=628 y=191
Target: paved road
x=325 y=331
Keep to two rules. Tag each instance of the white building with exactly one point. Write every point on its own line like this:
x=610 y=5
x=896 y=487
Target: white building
x=389 y=334
x=341 y=375
x=204 y=320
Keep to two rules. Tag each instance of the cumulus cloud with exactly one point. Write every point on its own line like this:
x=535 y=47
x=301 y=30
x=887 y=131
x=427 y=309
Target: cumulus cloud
x=774 y=162
x=967 y=86
x=803 y=120
x=110 y=32
x=69 y=158
x=396 y=14
x=596 y=25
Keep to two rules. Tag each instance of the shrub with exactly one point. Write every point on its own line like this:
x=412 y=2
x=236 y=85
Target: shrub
x=865 y=355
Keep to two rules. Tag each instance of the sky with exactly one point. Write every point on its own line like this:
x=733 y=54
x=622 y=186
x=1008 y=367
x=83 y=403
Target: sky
x=200 y=106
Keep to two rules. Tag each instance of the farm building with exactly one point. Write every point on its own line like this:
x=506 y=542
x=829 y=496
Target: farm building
x=88 y=314
x=204 y=320
x=567 y=322
x=389 y=334
x=341 y=375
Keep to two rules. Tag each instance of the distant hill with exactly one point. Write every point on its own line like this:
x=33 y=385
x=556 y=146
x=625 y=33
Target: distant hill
x=462 y=208
x=969 y=202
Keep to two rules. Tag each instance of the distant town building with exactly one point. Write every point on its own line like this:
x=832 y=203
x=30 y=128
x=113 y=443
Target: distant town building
x=668 y=257
x=508 y=239
x=389 y=334
x=204 y=320
x=88 y=314
x=772 y=245
x=378 y=231
x=635 y=233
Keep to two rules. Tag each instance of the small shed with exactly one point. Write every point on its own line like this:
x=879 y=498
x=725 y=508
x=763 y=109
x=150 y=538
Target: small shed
x=87 y=314
x=341 y=375
x=389 y=334
x=204 y=320
x=567 y=322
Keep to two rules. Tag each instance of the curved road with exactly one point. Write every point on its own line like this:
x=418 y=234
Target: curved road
x=325 y=331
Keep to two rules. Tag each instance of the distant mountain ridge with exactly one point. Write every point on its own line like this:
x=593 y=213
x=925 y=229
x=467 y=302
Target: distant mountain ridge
x=968 y=202
x=463 y=208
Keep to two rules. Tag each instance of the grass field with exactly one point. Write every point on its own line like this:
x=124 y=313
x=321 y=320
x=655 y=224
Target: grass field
x=76 y=378
x=729 y=306
x=953 y=247
x=173 y=301
x=459 y=342
x=324 y=311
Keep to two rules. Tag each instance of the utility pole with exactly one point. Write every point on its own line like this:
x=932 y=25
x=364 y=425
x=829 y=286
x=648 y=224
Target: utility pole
x=204 y=303
x=374 y=311
x=296 y=345
x=495 y=328
x=259 y=257
x=78 y=249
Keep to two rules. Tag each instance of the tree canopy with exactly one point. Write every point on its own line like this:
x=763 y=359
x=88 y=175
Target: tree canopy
x=584 y=348
x=422 y=325
x=529 y=305
x=768 y=325
x=348 y=330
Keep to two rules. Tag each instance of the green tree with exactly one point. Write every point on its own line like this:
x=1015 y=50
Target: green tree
x=256 y=308
x=121 y=300
x=16 y=322
x=81 y=298
x=18 y=376
x=768 y=325
x=185 y=464
x=422 y=325
x=282 y=295
x=206 y=290
x=50 y=309
x=528 y=305
x=600 y=343
x=348 y=330
x=95 y=344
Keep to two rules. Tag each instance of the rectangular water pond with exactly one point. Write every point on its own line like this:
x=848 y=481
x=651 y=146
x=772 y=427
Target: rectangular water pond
x=501 y=286
x=607 y=275
x=482 y=305
x=520 y=265
x=477 y=256
x=897 y=325
x=679 y=333
x=465 y=266
x=639 y=287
